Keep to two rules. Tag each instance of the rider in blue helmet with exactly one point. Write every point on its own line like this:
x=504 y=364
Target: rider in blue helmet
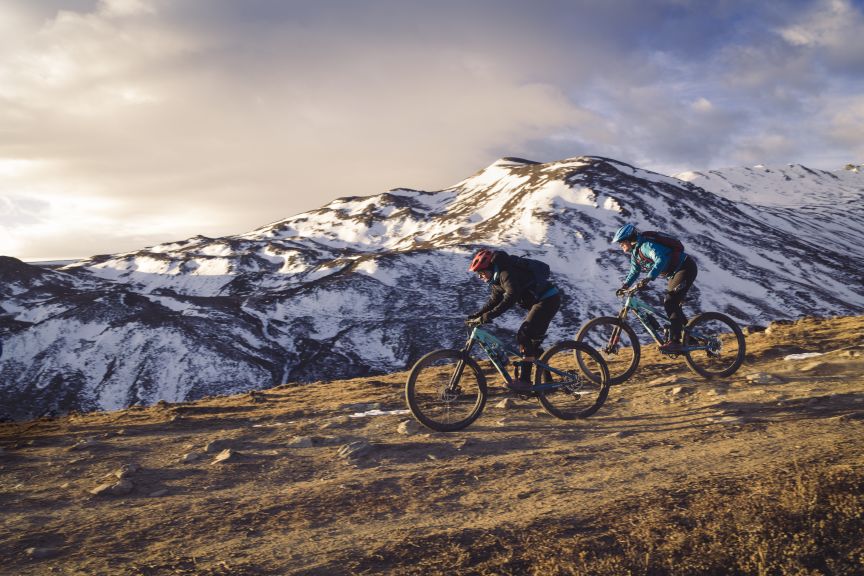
x=659 y=254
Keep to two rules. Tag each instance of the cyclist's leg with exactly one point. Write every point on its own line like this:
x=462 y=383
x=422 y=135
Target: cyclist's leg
x=533 y=330
x=676 y=291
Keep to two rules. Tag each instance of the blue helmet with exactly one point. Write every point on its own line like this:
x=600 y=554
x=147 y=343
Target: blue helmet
x=626 y=232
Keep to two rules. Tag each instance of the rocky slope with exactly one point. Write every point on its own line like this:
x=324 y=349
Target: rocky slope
x=367 y=285
x=761 y=472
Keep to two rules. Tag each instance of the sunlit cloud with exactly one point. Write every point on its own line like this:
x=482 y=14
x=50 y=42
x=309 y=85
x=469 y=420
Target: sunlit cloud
x=125 y=7
x=154 y=120
x=832 y=23
x=702 y=105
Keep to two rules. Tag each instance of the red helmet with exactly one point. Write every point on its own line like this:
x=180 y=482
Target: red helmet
x=482 y=261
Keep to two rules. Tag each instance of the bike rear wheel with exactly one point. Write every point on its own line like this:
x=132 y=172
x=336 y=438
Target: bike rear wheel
x=616 y=342
x=578 y=395
x=725 y=345
x=446 y=390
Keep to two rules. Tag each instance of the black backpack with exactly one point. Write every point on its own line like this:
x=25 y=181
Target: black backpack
x=539 y=270
x=664 y=239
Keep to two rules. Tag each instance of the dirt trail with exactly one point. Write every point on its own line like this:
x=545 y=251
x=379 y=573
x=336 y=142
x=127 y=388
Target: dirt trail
x=289 y=501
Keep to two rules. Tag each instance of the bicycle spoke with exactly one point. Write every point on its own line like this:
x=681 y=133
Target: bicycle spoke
x=617 y=344
x=444 y=392
x=720 y=345
x=574 y=394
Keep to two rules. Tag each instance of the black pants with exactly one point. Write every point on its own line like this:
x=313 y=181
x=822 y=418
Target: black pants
x=676 y=291
x=533 y=329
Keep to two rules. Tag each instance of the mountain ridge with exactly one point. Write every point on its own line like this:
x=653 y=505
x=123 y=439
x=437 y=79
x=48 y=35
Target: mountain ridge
x=365 y=285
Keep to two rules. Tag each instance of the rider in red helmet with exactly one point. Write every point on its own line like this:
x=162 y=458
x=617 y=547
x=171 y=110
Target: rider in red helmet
x=524 y=281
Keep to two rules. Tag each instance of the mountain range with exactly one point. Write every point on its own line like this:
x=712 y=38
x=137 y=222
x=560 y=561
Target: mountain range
x=366 y=285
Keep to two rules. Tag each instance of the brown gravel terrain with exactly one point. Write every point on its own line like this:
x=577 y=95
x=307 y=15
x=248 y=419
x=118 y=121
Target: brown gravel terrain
x=762 y=472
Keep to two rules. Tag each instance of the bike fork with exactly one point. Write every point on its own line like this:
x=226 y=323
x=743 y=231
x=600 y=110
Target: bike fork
x=616 y=334
x=457 y=375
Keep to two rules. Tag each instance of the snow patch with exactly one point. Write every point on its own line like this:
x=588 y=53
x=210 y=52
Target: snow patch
x=378 y=412
x=802 y=356
x=612 y=204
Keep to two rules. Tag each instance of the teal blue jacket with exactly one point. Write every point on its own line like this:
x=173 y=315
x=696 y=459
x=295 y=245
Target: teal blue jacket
x=653 y=258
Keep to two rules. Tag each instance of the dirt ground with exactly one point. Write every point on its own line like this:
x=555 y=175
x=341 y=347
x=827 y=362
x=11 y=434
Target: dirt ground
x=287 y=481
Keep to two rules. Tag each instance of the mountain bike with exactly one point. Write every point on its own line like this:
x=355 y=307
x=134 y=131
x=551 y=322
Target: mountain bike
x=446 y=389
x=712 y=343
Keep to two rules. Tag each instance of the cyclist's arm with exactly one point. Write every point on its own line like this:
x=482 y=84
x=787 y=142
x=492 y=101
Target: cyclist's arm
x=633 y=273
x=494 y=299
x=509 y=294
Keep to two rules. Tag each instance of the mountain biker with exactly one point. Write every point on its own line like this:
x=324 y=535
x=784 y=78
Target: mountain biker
x=513 y=279
x=656 y=258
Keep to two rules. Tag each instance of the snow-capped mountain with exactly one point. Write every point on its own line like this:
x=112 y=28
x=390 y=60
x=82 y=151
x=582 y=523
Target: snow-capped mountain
x=368 y=284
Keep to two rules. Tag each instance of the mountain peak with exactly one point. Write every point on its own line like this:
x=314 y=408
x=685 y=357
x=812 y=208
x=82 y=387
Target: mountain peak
x=513 y=161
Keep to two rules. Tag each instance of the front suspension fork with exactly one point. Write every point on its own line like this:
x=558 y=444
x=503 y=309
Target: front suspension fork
x=616 y=332
x=457 y=375
x=613 y=340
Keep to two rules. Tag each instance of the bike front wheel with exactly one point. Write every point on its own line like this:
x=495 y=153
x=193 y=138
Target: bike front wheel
x=575 y=394
x=722 y=343
x=617 y=343
x=446 y=390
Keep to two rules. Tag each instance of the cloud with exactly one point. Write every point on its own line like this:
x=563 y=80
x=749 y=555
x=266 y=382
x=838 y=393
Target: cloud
x=215 y=117
x=833 y=30
x=142 y=108
x=845 y=121
x=125 y=7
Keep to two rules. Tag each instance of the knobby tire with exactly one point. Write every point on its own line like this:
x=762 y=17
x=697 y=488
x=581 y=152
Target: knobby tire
x=623 y=362
x=717 y=366
x=582 y=396
x=427 y=397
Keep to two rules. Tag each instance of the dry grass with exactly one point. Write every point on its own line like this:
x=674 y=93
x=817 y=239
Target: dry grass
x=808 y=522
x=673 y=475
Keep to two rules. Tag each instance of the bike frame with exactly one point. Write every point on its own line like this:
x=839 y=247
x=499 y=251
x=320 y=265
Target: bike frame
x=642 y=310
x=490 y=344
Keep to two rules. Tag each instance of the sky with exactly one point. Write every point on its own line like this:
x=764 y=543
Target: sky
x=128 y=123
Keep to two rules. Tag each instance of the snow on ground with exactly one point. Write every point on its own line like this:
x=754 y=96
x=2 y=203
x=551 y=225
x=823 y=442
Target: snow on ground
x=803 y=356
x=569 y=163
x=371 y=268
x=35 y=314
x=611 y=204
x=213 y=266
x=375 y=346
x=432 y=201
x=326 y=269
x=791 y=185
x=217 y=249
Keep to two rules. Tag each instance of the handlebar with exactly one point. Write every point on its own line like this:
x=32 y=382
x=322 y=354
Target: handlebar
x=630 y=291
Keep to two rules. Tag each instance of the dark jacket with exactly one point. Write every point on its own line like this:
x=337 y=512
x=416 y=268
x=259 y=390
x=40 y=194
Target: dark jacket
x=512 y=284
